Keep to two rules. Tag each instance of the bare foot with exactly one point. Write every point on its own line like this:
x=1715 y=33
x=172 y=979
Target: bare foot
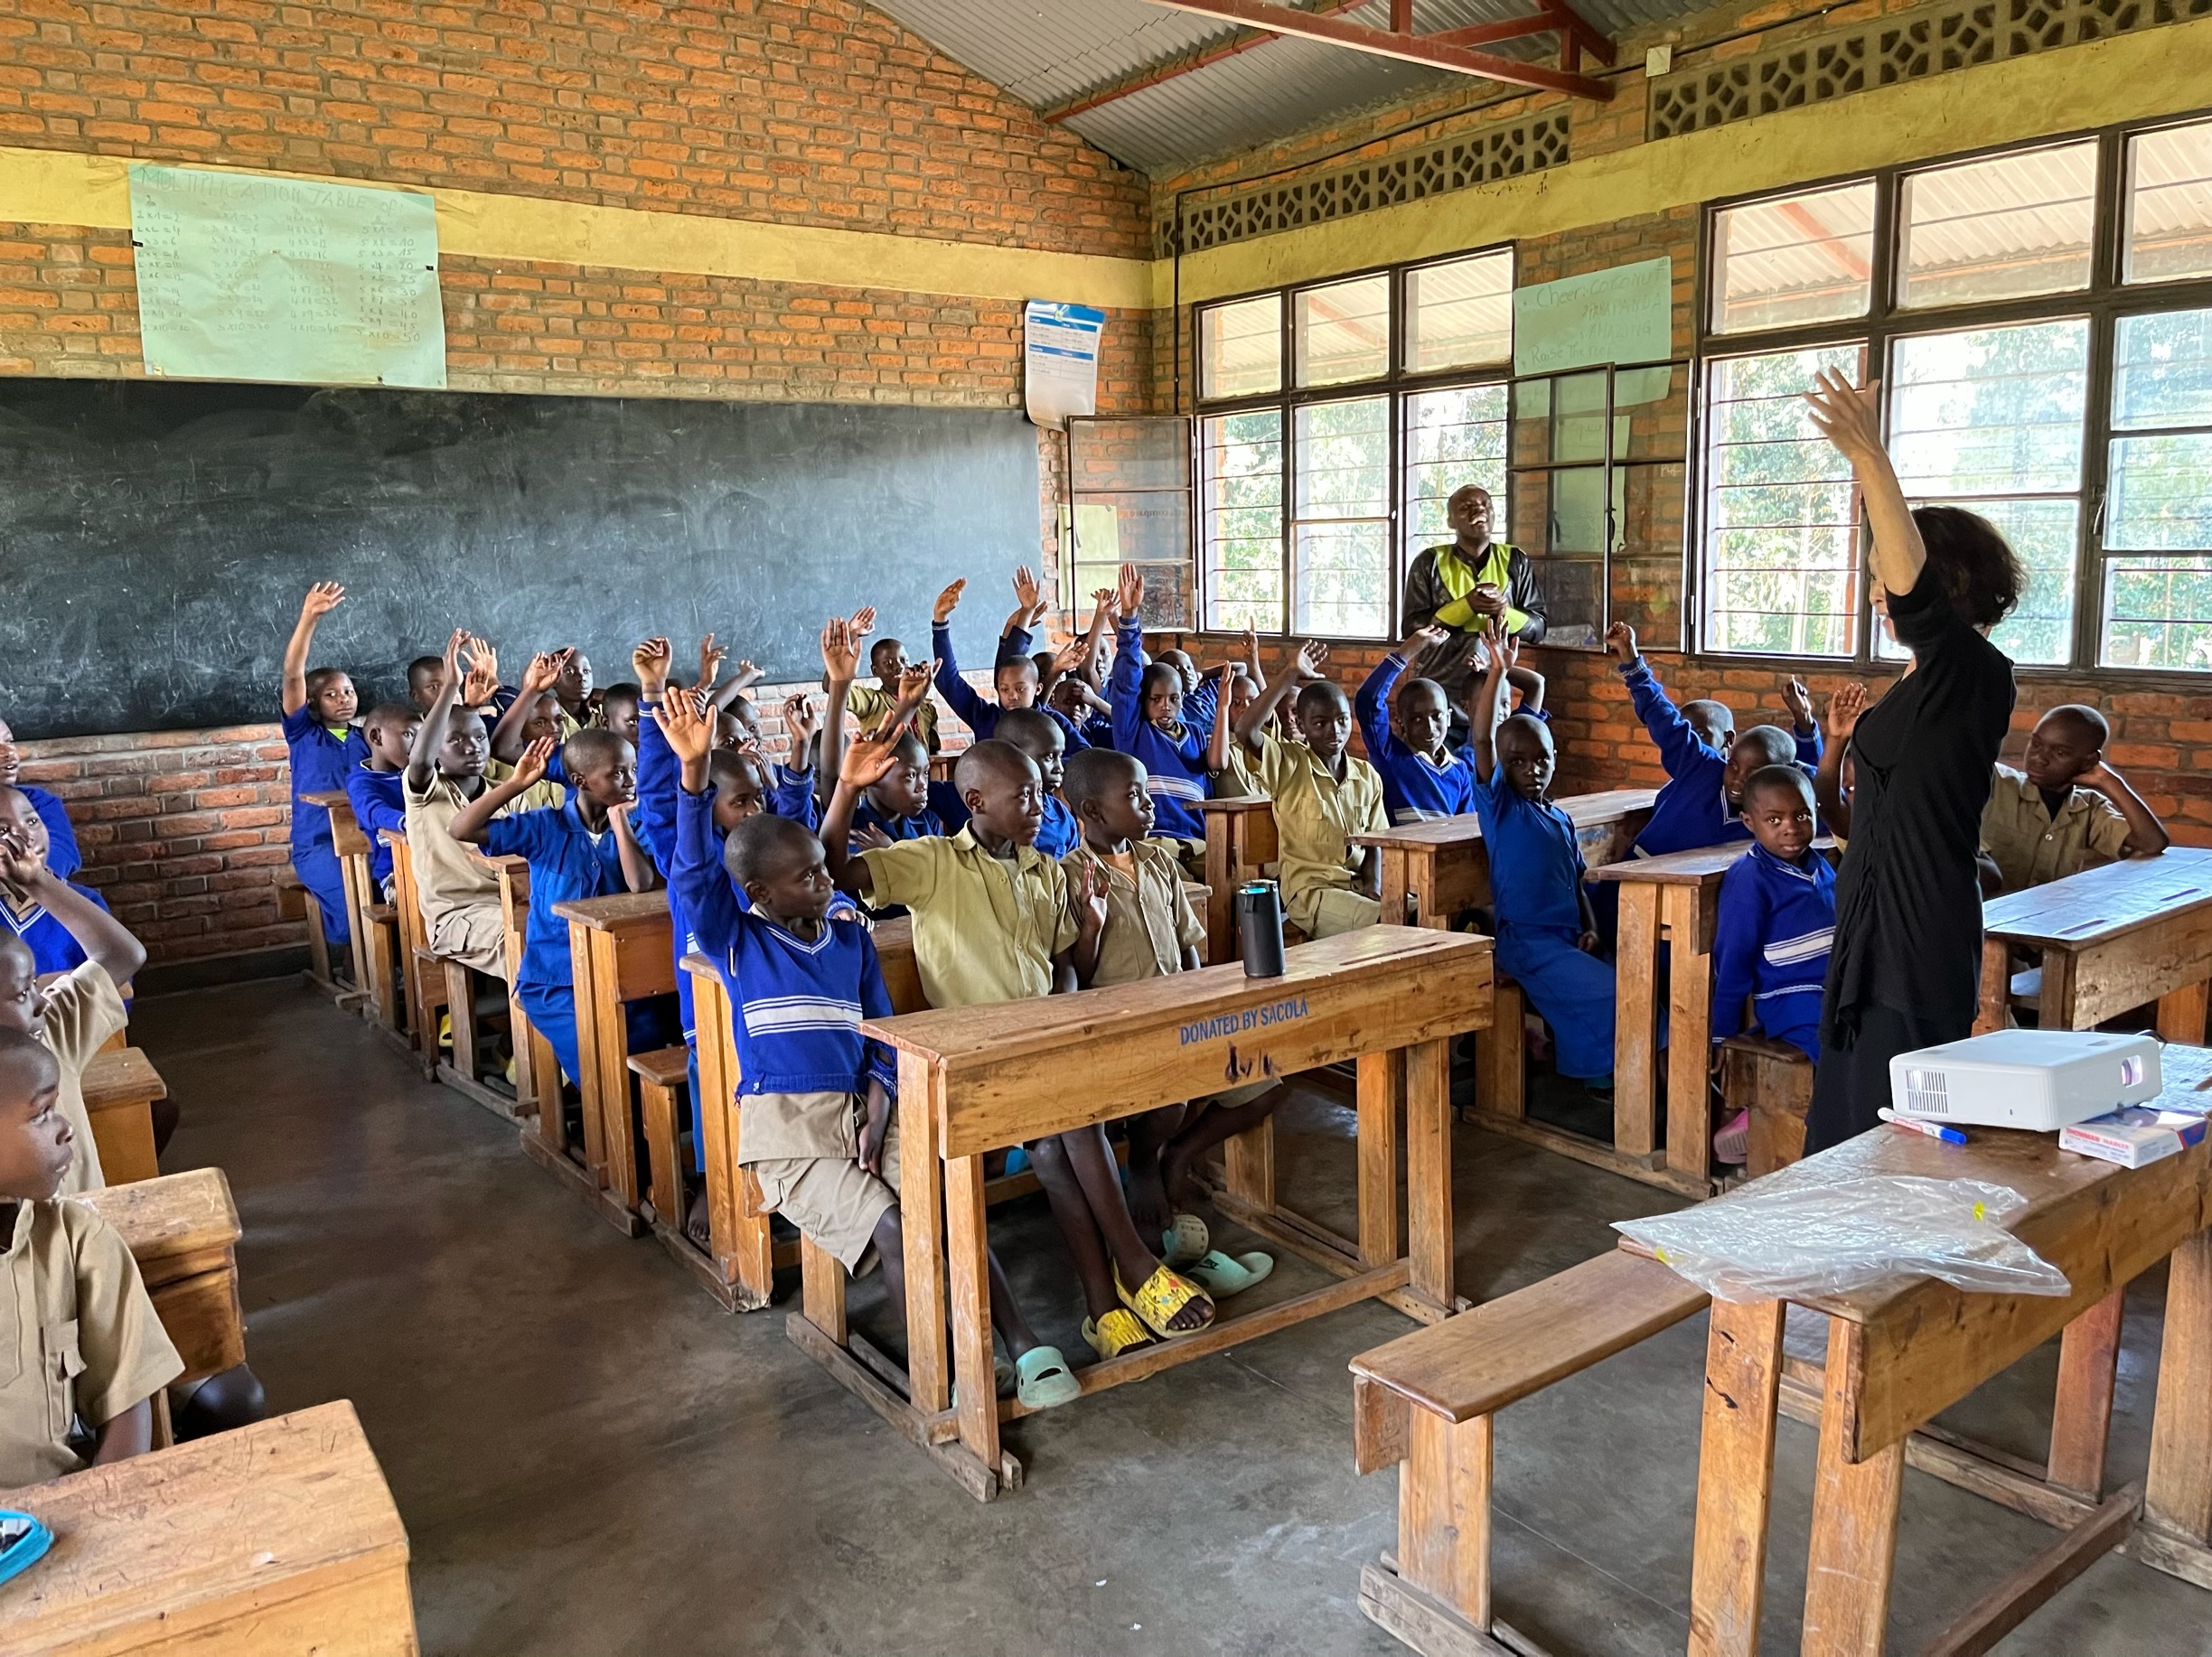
x=1148 y=1198
x=1178 y=1182
x=696 y=1226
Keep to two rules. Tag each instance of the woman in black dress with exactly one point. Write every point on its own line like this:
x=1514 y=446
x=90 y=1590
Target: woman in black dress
x=1905 y=968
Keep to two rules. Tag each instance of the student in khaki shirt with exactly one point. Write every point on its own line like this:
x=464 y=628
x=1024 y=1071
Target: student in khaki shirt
x=79 y=1337
x=994 y=919
x=1323 y=795
x=76 y=1015
x=2065 y=809
x=457 y=890
x=869 y=705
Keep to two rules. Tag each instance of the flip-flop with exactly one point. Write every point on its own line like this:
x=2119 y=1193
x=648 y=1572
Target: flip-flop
x=1160 y=1298
x=1185 y=1240
x=1223 y=1275
x=1732 y=1143
x=1043 y=1379
x=1116 y=1333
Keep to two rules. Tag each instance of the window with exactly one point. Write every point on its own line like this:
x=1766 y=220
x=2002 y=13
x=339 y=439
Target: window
x=2030 y=373
x=1317 y=486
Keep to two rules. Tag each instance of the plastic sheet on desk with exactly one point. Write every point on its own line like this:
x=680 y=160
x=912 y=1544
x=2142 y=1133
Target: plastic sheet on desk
x=1805 y=1240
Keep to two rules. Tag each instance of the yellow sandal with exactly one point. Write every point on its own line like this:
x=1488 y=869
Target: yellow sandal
x=1161 y=1297
x=1116 y=1333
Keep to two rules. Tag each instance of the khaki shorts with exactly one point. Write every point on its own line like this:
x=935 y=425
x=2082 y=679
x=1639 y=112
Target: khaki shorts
x=476 y=935
x=1322 y=912
x=834 y=1201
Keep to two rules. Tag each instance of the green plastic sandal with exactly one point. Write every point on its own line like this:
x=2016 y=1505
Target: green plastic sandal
x=1222 y=1275
x=1185 y=1240
x=1044 y=1380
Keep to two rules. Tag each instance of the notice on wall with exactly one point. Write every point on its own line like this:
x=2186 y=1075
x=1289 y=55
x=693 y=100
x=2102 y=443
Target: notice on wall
x=1620 y=316
x=242 y=276
x=1060 y=353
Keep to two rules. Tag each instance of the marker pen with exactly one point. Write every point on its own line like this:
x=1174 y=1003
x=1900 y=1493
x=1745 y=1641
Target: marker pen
x=1933 y=1130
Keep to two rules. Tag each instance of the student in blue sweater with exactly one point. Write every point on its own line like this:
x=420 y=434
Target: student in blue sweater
x=814 y=1117
x=1407 y=738
x=61 y=855
x=53 y=947
x=377 y=786
x=1775 y=924
x=1014 y=676
x=325 y=747
x=1149 y=725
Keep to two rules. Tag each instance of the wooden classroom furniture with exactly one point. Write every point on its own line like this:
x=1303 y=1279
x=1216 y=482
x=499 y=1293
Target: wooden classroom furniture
x=371 y=920
x=296 y=903
x=183 y=1230
x=438 y=989
x=120 y=1089
x=537 y=1072
x=1239 y=843
x=1426 y=1404
x=1773 y=1082
x=2112 y=939
x=274 y=1540
x=979 y=1079
x=620 y=950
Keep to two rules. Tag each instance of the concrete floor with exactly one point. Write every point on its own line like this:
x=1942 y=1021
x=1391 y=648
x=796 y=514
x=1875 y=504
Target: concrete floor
x=592 y=1458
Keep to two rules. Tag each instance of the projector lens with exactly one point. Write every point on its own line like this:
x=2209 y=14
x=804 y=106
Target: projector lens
x=2132 y=1070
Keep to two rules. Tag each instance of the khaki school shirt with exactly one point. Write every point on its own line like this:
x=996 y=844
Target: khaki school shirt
x=79 y=1337
x=449 y=876
x=984 y=929
x=1149 y=922
x=867 y=704
x=2031 y=846
x=1316 y=816
x=83 y=1010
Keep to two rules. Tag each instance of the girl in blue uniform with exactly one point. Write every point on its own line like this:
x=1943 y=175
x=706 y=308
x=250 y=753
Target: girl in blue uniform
x=325 y=747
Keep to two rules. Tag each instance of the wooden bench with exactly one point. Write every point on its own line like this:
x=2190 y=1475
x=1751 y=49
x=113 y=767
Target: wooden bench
x=537 y=1074
x=183 y=1230
x=121 y=1087
x=1425 y=1403
x=274 y=1540
x=373 y=923
x=296 y=903
x=621 y=950
x=442 y=989
x=422 y=982
x=1239 y=843
x=2112 y=939
x=1773 y=1082
x=976 y=1079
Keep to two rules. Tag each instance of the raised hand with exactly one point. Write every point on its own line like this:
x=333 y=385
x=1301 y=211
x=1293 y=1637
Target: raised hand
x=1129 y=592
x=1310 y=657
x=450 y=672
x=483 y=674
x=650 y=662
x=1493 y=636
x=530 y=769
x=1508 y=649
x=710 y=655
x=1026 y=589
x=20 y=865
x=799 y=722
x=868 y=837
x=840 y=651
x=1422 y=641
x=915 y=687
x=1849 y=417
x=1070 y=657
x=322 y=598
x=690 y=732
x=1844 y=708
x=1799 y=701
x=862 y=622
x=1089 y=895
x=1103 y=599
x=747 y=673
x=544 y=671
x=948 y=602
x=869 y=758
x=1621 y=639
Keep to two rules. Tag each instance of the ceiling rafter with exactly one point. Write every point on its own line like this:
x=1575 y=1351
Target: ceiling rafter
x=1169 y=69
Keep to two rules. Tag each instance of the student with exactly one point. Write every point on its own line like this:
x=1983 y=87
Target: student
x=792 y=786
x=1547 y=936
x=1407 y=738
x=77 y=1017
x=2066 y=809
x=1014 y=677
x=584 y=849
x=423 y=675
x=318 y=729
x=24 y=914
x=1149 y=725
x=68 y=1277
x=618 y=711
x=1706 y=761
x=1774 y=928
x=870 y=705
x=1323 y=796
x=458 y=894
x=375 y=785
x=63 y=856
x=994 y=921
x=573 y=687
x=534 y=715
x=1044 y=741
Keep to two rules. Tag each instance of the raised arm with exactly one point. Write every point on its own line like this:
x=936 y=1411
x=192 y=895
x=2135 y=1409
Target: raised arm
x=539 y=676
x=1803 y=727
x=1094 y=640
x=695 y=862
x=656 y=776
x=1671 y=733
x=473 y=820
x=1483 y=706
x=746 y=677
x=1306 y=665
x=841 y=654
x=1029 y=607
x=106 y=940
x=867 y=761
x=637 y=864
x=1851 y=420
x=322 y=598
x=959 y=693
x=430 y=736
x=1127 y=682
x=1829 y=791
x=1217 y=739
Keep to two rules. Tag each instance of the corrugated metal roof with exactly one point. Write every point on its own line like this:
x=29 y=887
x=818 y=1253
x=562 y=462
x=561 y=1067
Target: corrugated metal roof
x=1049 y=51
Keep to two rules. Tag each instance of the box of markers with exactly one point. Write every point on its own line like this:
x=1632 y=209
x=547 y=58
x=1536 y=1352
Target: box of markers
x=2138 y=1134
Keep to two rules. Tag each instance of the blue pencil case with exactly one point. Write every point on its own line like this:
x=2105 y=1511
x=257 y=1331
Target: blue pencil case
x=24 y=1542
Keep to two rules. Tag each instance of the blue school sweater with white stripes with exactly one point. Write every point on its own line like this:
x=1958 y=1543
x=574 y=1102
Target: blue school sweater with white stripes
x=1175 y=765
x=1693 y=809
x=1415 y=788
x=1774 y=928
x=978 y=712
x=795 y=1004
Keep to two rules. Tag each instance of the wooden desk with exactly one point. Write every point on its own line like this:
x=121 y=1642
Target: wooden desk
x=2112 y=939
x=349 y=843
x=422 y=987
x=1433 y=870
x=1240 y=842
x=1901 y=1352
x=120 y=1088
x=536 y=1076
x=978 y=1079
x=620 y=950
x=183 y=1230
x=276 y=1539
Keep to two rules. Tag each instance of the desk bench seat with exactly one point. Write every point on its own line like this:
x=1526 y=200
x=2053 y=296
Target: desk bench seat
x=183 y=1230
x=121 y=1087
x=1773 y=1082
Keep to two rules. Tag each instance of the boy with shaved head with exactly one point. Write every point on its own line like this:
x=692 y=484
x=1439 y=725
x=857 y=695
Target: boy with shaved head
x=2066 y=809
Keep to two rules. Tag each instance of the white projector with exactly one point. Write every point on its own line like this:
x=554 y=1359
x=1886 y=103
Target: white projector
x=2038 y=1080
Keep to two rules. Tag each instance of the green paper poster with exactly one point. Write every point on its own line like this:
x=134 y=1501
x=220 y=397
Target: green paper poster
x=1621 y=316
x=242 y=276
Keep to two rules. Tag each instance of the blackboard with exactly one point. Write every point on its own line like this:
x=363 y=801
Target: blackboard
x=156 y=538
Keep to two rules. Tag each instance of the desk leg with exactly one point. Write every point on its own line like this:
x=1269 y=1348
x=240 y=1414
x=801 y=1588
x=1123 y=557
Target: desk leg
x=968 y=1252
x=1444 y=1513
x=2177 y=1498
x=583 y=977
x=1381 y=1079
x=2181 y=1016
x=1636 y=1026
x=1429 y=1192
x=1398 y=909
x=2055 y=1010
x=1854 y=1521
x=1728 y=1570
x=922 y=1220
x=1689 y=1038
x=354 y=872
x=2080 y=1415
x=1995 y=1011
x=1221 y=893
x=609 y=1066
x=1248 y=1166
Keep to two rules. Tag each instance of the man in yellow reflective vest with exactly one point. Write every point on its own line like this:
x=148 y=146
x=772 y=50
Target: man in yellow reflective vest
x=1460 y=584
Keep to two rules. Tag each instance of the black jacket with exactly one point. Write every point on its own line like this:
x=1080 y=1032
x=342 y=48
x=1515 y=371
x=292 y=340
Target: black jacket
x=1425 y=594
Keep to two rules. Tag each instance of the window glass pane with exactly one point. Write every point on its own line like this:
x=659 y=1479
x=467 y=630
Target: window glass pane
x=2163 y=370
x=1343 y=331
x=1340 y=546
x=1989 y=411
x=1452 y=438
x=2169 y=204
x=1459 y=314
x=1781 y=514
x=1803 y=259
x=2046 y=537
x=2162 y=495
x=1999 y=229
x=1242 y=506
x=2160 y=481
x=1239 y=348
x=2158 y=613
